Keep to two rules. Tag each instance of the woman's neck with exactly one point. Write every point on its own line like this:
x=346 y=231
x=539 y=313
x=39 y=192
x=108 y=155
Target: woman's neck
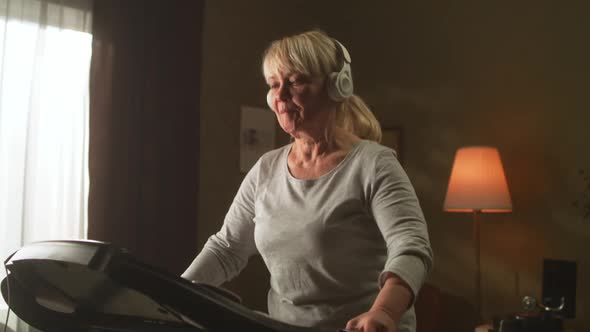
x=312 y=158
x=311 y=148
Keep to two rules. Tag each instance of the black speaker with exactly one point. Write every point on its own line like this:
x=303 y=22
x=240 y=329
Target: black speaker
x=559 y=280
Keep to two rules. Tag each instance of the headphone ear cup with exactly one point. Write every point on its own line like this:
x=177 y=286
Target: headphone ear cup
x=269 y=100
x=345 y=86
x=340 y=84
x=333 y=87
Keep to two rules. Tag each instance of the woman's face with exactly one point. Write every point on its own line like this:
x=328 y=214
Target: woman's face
x=299 y=101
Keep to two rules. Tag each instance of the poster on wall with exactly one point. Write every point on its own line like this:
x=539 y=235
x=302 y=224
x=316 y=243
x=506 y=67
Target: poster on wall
x=257 y=135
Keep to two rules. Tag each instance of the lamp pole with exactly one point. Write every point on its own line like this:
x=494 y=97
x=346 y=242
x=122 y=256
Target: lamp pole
x=476 y=244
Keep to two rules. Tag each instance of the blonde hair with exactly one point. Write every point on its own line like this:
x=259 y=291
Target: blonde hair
x=314 y=53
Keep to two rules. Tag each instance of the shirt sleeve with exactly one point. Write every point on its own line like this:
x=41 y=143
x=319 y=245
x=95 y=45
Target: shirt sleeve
x=227 y=252
x=400 y=219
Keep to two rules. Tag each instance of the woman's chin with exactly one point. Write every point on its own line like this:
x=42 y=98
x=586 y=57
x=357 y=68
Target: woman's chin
x=288 y=127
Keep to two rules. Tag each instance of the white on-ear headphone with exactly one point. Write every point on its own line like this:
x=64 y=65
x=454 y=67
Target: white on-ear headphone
x=340 y=84
x=269 y=100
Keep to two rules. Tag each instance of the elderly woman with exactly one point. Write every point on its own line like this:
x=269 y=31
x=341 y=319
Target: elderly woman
x=333 y=213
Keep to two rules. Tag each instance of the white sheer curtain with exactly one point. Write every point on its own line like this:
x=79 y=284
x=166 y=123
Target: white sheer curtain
x=45 y=49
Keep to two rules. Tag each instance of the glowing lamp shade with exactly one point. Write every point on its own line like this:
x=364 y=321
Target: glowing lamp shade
x=477 y=182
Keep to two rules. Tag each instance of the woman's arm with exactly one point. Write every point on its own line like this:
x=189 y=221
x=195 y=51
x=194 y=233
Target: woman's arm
x=226 y=253
x=398 y=215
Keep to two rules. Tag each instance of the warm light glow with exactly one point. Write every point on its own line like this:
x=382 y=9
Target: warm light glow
x=477 y=182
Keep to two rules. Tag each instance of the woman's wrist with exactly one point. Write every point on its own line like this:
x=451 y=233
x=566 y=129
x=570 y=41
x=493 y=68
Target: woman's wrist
x=387 y=311
x=394 y=298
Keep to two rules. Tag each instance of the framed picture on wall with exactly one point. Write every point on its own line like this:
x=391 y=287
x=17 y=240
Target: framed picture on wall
x=393 y=138
x=257 y=135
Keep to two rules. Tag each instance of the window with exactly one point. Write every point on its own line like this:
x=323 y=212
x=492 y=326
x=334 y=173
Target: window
x=45 y=49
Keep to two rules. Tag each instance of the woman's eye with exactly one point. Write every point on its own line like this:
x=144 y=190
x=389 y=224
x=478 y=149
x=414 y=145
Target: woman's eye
x=298 y=81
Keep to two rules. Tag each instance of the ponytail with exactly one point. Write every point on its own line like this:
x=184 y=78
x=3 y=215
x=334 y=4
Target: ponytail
x=355 y=117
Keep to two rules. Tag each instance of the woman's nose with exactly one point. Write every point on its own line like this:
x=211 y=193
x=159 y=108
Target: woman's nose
x=284 y=91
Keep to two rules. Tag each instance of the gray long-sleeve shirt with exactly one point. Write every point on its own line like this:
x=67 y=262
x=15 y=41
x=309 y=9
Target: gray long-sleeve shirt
x=325 y=241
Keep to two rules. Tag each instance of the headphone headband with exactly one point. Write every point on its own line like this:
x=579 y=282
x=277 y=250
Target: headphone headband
x=343 y=51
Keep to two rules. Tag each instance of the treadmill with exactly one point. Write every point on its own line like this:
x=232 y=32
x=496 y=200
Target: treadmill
x=63 y=286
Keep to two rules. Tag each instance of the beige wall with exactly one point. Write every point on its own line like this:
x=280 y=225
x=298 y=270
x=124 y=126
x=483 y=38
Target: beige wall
x=511 y=76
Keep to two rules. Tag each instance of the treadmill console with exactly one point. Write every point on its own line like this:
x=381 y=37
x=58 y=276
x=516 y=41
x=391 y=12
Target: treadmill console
x=95 y=286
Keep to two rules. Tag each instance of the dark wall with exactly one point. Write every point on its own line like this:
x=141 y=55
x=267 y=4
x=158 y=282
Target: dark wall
x=511 y=74
x=144 y=128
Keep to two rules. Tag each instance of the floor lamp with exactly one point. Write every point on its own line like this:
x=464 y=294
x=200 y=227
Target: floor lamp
x=477 y=184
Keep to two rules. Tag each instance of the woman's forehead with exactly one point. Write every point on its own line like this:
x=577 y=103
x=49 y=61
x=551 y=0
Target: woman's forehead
x=278 y=74
x=277 y=68
x=280 y=66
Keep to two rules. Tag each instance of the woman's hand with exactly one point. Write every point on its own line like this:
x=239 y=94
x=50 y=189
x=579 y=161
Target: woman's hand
x=393 y=300
x=374 y=320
